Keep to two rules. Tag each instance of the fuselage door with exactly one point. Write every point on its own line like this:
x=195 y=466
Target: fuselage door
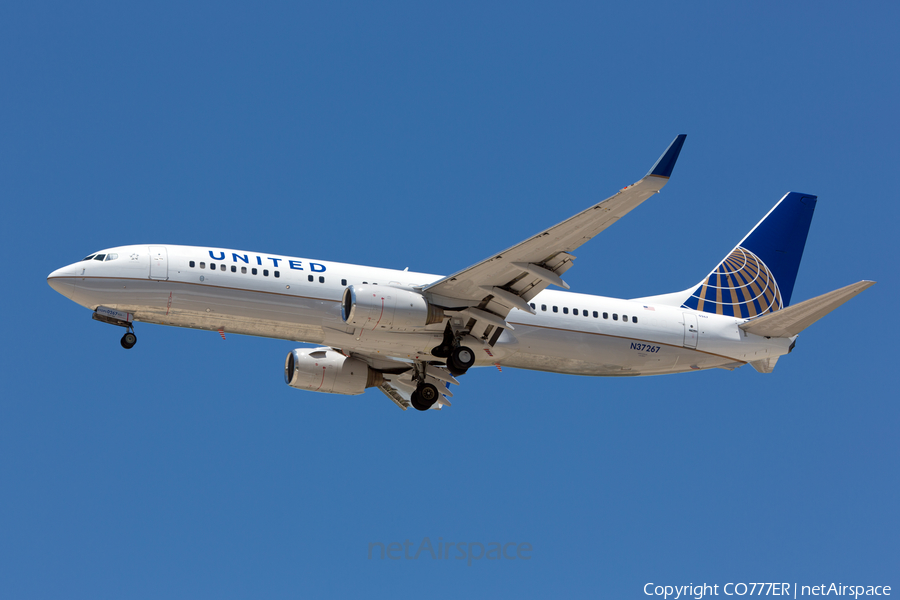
x=159 y=263
x=691 y=333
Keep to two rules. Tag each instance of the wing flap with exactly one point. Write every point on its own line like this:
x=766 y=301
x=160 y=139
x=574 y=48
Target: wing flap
x=792 y=320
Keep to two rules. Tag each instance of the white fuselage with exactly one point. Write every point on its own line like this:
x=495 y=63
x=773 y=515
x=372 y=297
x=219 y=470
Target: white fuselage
x=300 y=300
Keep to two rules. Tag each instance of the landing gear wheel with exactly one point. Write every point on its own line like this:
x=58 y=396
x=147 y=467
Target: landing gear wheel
x=416 y=402
x=128 y=340
x=460 y=360
x=428 y=393
x=424 y=397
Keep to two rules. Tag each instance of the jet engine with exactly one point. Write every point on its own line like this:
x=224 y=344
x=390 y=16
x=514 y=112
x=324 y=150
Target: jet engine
x=325 y=370
x=386 y=308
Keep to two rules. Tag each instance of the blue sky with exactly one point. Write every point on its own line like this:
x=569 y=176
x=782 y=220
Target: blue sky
x=403 y=135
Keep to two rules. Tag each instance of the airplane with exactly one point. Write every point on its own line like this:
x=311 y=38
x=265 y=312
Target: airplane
x=411 y=335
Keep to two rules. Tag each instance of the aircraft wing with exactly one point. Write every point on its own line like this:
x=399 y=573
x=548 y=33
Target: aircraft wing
x=489 y=290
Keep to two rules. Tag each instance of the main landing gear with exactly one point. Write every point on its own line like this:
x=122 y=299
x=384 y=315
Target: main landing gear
x=459 y=361
x=459 y=358
x=424 y=397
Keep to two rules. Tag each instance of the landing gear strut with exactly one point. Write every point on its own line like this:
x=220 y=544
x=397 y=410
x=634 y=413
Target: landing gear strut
x=424 y=397
x=446 y=346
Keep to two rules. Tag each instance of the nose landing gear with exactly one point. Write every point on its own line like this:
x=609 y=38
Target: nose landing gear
x=128 y=340
x=119 y=319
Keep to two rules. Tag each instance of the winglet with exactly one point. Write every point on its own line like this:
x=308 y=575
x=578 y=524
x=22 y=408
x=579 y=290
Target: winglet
x=666 y=162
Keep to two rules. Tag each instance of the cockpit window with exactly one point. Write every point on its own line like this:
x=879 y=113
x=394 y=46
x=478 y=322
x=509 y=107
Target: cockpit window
x=112 y=256
x=88 y=257
x=99 y=257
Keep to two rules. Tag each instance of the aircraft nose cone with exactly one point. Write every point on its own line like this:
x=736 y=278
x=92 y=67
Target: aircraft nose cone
x=63 y=281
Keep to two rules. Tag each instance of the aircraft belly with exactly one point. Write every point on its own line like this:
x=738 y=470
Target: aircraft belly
x=579 y=353
x=233 y=324
x=246 y=312
x=401 y=345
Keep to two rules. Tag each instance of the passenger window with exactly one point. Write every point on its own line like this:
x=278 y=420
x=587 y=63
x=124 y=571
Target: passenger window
x=244 y=270
x=615 y=317
x=100 y=257
x=605 y=315
x=565 y=310
x=532 y=306
x=112 y=256
x=233 y=269
x=321 y=279
x=192 y=264
x=253 y=271
x=365 y=283
x=277 y=274
x=595 y=314
x=625 y=318
x=634 y=319
x=575 y=311
x=584 y=312
x=212 y=266
x=543 y=307
x=221 y=267
x=203 y=265
x=555 y=309
x=265 y=272
x=309 y=277
x=343 y=282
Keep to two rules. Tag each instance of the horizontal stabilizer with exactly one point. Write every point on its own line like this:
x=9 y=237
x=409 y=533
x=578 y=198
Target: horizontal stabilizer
x=794 y=319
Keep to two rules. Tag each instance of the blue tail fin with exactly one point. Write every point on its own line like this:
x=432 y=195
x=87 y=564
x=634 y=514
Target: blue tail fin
x=758 y=276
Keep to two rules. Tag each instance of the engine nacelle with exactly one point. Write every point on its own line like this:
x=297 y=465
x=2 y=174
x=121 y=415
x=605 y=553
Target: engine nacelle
x=324 y=370
x=386 y=308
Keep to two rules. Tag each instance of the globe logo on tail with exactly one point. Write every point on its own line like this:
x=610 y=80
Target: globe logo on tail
x=741 y=286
